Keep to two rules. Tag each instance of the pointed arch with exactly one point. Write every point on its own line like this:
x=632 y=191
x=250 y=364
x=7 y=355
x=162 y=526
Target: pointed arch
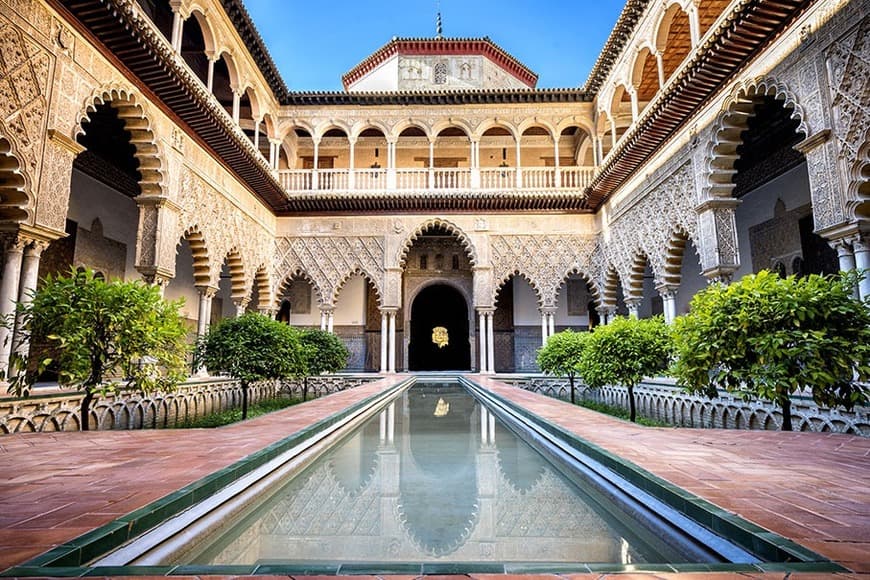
x=238 y=284
x=263 y=285
x=297 y=273
x=138 y=123
x=436 y=223
x=730 y=124
x=357 y=271
x=595 y=291
x=499 y=284
x=199 y=249
x=15 y=201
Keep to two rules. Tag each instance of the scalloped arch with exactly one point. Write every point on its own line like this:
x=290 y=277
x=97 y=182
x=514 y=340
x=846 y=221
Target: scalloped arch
x=732 y=121
x=595 y=293
x=137 y=122
x=496 y=290
x=199 y=249
x=297 y=273
x=455 y=230
x=14 y=183
x=263 y=284
x=236 y=267
x=357 y=271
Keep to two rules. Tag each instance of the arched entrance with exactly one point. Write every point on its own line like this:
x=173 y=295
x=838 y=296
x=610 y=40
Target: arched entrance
x=439 y=306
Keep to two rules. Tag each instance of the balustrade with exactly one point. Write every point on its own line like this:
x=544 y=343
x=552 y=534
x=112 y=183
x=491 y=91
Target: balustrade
x=420 y=179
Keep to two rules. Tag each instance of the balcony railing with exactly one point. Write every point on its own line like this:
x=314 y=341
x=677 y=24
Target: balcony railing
x=437 y=179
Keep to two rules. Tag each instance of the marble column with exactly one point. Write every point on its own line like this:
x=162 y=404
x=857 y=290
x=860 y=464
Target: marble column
x=544 y=327
x=206 y=293
x=8 y=295
x=384 y=342
x=27 y=286
x=241 y=306
x=392 y=342
x=669 y=302
x=551 y=324
x=633 y=307
x=490 y=343
x=482 y=343
x=861 y=247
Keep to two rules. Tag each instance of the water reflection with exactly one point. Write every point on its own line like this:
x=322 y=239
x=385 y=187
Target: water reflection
x=434 y=476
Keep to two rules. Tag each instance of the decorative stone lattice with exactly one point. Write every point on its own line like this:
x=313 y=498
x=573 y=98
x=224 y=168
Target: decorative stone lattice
x=329 y=261
x=665 y=402
x=545 y=261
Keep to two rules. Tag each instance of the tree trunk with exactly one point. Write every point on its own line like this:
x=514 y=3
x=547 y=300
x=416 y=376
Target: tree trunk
x=244 y=400
x=632 y=412
x=571 y=381
x=304 y=389
x=86 y=408
x=786 y=413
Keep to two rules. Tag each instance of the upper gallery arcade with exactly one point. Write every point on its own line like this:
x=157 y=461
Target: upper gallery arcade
x=156 y=139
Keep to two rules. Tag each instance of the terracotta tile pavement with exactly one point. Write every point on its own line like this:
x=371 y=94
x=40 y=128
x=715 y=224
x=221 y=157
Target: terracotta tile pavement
x=810 y=487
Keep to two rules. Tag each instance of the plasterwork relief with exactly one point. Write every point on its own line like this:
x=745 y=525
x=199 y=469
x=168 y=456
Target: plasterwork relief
x=330 y=261
x=544 y=260
x=647 y=225
x=848 y=61
x=25 y=71
x=223 y=226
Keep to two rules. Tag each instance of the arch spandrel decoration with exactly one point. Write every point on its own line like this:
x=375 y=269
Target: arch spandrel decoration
x=330 y=261
x=543 y=259
x=455 y=230
x=222 y=225
x=848 y=63
x=647 y=226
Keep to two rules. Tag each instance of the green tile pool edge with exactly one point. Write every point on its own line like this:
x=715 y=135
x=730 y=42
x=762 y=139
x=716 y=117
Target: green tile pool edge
x=783 y=554
x=66 y=559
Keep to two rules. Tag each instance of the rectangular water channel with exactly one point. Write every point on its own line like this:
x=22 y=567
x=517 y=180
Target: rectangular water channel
x=435 y=476
x=426 y=480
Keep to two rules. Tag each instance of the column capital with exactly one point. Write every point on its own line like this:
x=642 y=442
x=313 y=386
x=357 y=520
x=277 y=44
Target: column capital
x=207 y=291
x=667 y=290
x=548 y=309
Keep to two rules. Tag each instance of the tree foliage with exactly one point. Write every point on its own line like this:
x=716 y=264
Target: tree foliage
x=324 y=353
x=770 y=337
x=91 y=330
x=625 y=351
x=253 y=347
x=562 y=354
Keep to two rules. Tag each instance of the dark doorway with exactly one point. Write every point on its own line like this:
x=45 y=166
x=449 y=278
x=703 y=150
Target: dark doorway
x=439 y=307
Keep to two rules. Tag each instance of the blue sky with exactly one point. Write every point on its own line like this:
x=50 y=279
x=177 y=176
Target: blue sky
x=315 y=42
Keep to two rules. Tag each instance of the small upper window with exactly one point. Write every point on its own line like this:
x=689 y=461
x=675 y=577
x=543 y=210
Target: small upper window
x=439 y=74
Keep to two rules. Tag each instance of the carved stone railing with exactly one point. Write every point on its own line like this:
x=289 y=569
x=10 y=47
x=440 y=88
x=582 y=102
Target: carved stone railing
x=133 y=410
x=662 y=400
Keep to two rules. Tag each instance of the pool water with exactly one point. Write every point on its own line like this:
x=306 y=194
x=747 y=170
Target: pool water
x=433 y=477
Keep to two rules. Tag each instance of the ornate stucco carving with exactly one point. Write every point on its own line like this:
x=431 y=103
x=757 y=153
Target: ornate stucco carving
x=330 y=261
x=544 y=260
x=224 y=227
x=25 y=71
x=848 y=60
x=643 y=227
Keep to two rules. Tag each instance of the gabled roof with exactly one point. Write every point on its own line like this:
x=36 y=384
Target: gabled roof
x=435 y=46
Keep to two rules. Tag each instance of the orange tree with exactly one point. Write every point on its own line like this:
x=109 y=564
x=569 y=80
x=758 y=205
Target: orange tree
x=91 y=330
x=769 y=337
x=561 y=355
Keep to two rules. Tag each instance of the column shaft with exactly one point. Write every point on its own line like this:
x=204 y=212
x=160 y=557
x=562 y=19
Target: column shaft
x=8 y=296
x=862 y=263
x=490 y=343
x=482 y=346
x=392 y=345
x=384 y=347
x=543 y=329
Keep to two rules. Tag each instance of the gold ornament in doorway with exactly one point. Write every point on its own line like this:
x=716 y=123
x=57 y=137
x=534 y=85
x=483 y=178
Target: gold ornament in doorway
x=439 y=336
